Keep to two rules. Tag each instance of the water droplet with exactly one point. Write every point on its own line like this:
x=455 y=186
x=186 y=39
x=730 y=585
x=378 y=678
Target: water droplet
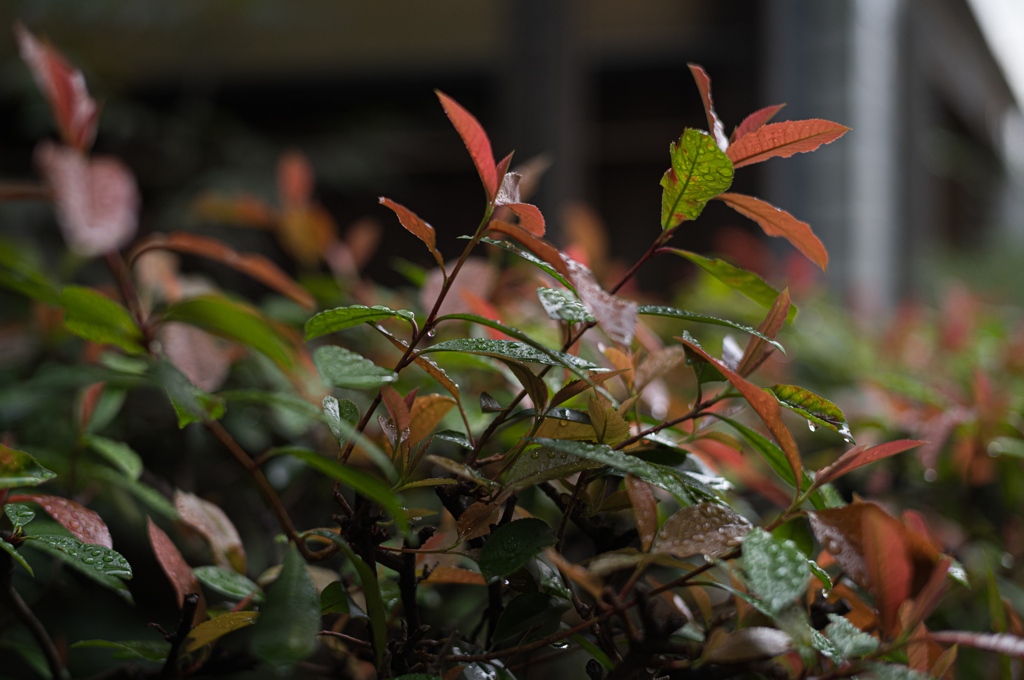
x=431 y=333
x=535 y=455
x=930 y=475
x=551 y=454
x=563 y=423
x=697 y=537
x=812 y=426
x=782 y=572
x=847 y=440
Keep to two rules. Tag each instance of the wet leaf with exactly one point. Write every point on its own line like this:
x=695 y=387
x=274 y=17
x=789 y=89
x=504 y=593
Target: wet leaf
x=546 y=250
x=415 y=225
x=815 y=408
x=100 y=564
x=700 y=171
x=211 y=522
x=850 y=641
x=529 y=610
x=715 y=126
x=459 y=469
x=530 y=218
x=210 y=631
x=289 y=621
x=607 y=424
x=616 y=316
x=16 y=556
x=542 y=464
x=17 y=468
x=887 y=561
x=476 y=141
x=562 y=305
x=228 y=583
x=749 y=284
x=862 y=455
x=703 y=529
x=645 y=510
x=783 y=140
x=755 y=121
x=571 y=389
x=684 y=315
x=19 y=514
x=176 y=568
x=253 y=265
x=96 y=318
x=427 y=412
x=147 y=650
x=344 y=368
x=511 y=349
x=349 y=317
x=85 y=524
x=511 y=545
x=118 y=454
x=776 y=570
x=234 y=321
x=777 y=222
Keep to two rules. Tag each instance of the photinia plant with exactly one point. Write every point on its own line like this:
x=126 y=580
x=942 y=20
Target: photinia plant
x=549 y=495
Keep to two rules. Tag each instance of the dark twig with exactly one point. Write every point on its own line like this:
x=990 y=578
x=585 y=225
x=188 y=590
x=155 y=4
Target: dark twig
x=12 y=599
x=171 y=670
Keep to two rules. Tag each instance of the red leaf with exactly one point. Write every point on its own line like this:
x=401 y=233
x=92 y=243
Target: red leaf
x=715 y=126
x=616 y=316
x=888 y=565
x=177 y=570
x=529 y=216
x=645 y=509
x=210 y=521
x=928 y=598
x=97 y=200
x=295 y=180
x=64 y=87
x=777 y=222
x=417 y=226
x=82 y=522
x=764 y=404
x=754 y=122
x=396 y=406
x=756 y=347
x=860 y=456
x=538 y=247
x=257 y=266
x=1000 y=643
x=783 y=140
x=502 y=172
x=476 y=142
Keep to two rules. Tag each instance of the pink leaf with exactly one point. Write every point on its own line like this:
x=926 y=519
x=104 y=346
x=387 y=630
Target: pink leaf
x=85 y=524
x=97 y=200
x=754 y=122
x=777 y=222
x=417 y=226
x=616 y=316
x=476 y=142
x=210 y=521
x=196 y=353
x=860 y=456
x=64 y=87
x=529 y=216
x=783 y=140
x=715 y=126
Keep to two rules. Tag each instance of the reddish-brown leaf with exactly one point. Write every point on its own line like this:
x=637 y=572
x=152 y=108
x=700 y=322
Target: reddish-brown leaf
x=529 y=216
x=96 y=200
x=251 y=264
x=481 y=307
x=754 y=122
x=783 y=140
x=87 y=401
x=777 y=222
x=502 y=170
x=295 y=180
x=756 y=347
x=715 y=126
x=929 y=597
x=210 y=521
x=417 y=226
x=444 y=574
x=1000 y=643
x=645 y=508
x=538 y=247
x=397 y=408
x=85 y=524
x=476 y=142
x=888 y=566
x=63 y=86
x=764 y=404
x=860 y=456
x=177 y=570
x=616 y=316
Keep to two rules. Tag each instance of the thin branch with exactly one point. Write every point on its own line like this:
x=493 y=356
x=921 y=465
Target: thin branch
x=189 y=604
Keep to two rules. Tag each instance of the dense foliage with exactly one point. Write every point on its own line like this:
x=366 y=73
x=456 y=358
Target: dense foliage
x=500 y=468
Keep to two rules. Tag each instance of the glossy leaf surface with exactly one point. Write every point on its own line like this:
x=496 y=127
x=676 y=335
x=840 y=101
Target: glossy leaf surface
x=415 y=225
x=562 y=305
x=702 y=529
x=684 y=315
x=700 y=171
x=815 y=408
x=715 y=126
x=228 y=583
x=213 y=524
x=558 y=273
x=176 y=568
x=85 y=524
x=860 y=456
x=511 y=545
x=344 y=368
x=616 y=316
x=476 y=141
x=511 y=349
x=755 y=121
x=18 y=468
x=777 y=222
x=348 y=317
x=777 y=571
x=100 y=564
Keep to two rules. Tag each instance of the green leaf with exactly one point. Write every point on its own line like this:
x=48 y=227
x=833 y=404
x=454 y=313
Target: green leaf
x=94 y=317
x=892 y=671
x=749 y=284
x=361 y=482
x=348 y=317
x=287 y=628
x=13 y=552
x=851 y=641
x=511 y=545
x=190 y=403
x=543 y=464
x=118 y=454
x=103 y=565
x=511 y=349
x=662 y=477
x=234 y=321
x=334 y=599
x=820 y=574
x=227 y=583
x=18 y=274
x=700 y=171
x=817 y=410
x=562 y=305
x=19 y=514
x=455 y=437
x=147 y=494
x=594 y=651
x=340 y=367
x=529 y=257
x=371 y=591
x=776 y=570
x=672 y=313
x=17 y=468
x=276 y=399
x=529 y=610
x=134 y=650
x=335 y=412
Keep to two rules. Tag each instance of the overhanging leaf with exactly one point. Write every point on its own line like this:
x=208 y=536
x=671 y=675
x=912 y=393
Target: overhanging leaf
x=118 y=454
x=476 y=141
x=783 y=140
x=755 y=121
x=227 y=583
x=777 y=571
x=100 y=564
x=777 y=222
x=348 y=317
x=554 y=272
x=85 y=524
x=860 y=456
x=703 y=529
x=511 y=349
x=511 y=545
x=700 y=171
x=684 y=315
x=562 y=305
x=344 y=368
x=815 y=408
x=415 y=225
x=18 y=468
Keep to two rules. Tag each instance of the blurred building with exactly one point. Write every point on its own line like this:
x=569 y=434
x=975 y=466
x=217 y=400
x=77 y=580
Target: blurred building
x=202 y=94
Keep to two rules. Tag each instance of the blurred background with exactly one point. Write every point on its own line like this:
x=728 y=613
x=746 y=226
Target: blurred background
x=204 y=96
